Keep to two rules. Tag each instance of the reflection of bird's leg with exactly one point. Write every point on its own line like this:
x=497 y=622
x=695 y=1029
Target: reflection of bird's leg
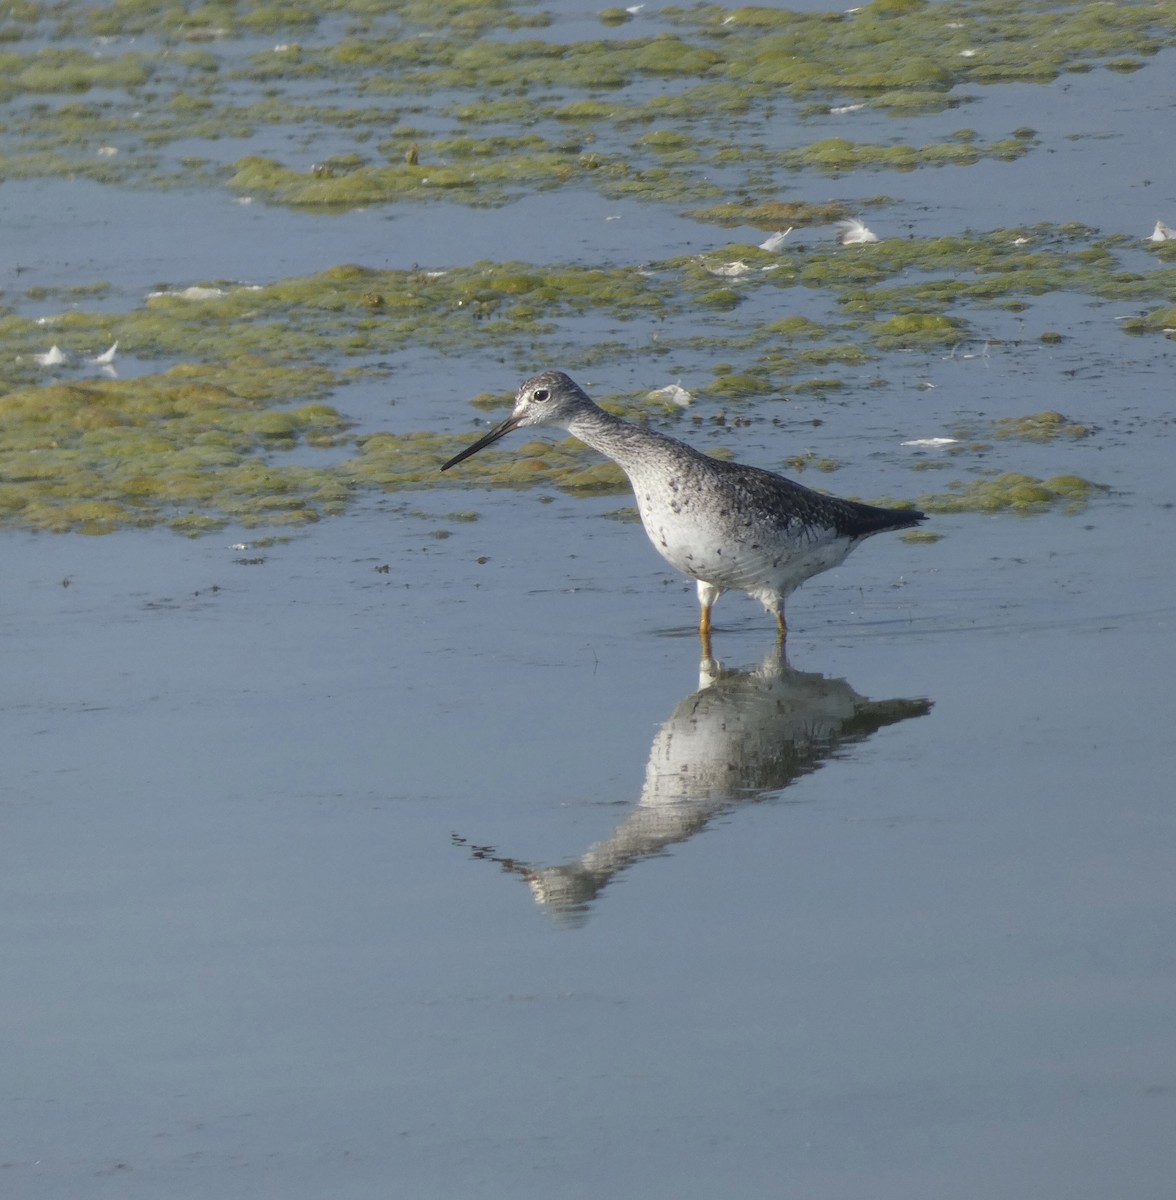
x=704 y=634
x=709 y=669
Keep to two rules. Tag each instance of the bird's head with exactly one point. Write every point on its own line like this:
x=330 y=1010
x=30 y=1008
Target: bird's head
x=550 y=398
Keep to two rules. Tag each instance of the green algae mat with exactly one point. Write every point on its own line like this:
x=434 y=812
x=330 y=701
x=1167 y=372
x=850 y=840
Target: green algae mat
x=481 y=102
x=238 y=412
x=202 y=443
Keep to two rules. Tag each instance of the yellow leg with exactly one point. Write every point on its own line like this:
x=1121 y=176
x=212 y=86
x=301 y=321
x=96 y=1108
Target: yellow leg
x=707 y=595
x=781 y=627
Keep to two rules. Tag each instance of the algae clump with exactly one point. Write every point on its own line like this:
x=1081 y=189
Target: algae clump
x=189 y=443
x=1014 y=492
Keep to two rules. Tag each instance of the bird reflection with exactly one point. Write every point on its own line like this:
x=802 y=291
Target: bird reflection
x=744 y=735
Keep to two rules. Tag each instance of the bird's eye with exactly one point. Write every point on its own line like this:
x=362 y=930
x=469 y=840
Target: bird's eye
x=540 y=394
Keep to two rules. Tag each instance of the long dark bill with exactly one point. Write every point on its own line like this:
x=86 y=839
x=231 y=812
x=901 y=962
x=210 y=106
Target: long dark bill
x=482 y=442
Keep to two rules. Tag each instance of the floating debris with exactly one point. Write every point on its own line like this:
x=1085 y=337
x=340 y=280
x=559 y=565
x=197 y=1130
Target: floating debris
x=955 y=353
x=731 y=270
x=105 y=362
x=931 y=442
x=842 y=109
x=53 y=357
x=776 y=240
x=188 y=293
x=673 y=393
x=200 y=292
x=854 y=233
x=1162 y=233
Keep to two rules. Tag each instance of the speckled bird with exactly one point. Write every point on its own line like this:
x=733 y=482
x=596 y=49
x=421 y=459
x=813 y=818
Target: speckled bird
x=726 y=525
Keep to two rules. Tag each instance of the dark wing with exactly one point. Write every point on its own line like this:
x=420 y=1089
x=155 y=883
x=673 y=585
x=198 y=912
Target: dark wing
x=787 y=504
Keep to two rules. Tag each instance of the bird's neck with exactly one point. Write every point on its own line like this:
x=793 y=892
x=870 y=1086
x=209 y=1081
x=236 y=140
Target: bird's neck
x=611 y=436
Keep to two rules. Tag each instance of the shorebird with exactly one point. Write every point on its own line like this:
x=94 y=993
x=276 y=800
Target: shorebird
x=726 y=525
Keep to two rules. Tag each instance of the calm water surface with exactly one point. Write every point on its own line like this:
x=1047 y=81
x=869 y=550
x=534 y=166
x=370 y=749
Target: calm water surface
x=451 y=880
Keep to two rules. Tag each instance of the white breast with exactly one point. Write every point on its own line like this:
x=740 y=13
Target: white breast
x=730 y=548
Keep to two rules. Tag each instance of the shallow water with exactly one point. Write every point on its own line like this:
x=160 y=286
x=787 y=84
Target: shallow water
x=346 y=865
x=257 y=936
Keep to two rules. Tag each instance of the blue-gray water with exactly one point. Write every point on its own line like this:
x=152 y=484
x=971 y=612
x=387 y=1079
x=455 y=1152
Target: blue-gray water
x=277 y=835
